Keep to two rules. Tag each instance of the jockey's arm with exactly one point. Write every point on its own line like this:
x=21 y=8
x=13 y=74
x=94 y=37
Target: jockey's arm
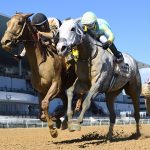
x=108 y=33
x=48 y=35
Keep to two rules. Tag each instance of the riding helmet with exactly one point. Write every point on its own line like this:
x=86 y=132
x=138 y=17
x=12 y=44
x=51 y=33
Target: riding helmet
x=88 y=18
x=39 y=19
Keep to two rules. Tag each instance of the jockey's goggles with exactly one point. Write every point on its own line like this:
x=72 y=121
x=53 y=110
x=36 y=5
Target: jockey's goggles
x=89 y=26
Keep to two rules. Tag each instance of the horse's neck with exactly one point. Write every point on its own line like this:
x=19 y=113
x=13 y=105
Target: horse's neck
x=83 y=54
x=34 y=56
x=86 y=50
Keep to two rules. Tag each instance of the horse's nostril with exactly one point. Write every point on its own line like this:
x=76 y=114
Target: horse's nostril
x=7 y=42
x=63 y=48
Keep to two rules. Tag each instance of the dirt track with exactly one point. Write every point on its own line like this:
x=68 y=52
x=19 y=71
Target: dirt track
x=88 y=138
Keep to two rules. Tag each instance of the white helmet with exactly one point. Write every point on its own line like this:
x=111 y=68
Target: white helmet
x=88 y=18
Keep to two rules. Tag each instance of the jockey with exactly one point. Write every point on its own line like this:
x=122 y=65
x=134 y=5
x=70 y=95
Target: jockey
x=47 y=30
x=100 y=30
x=47 y=27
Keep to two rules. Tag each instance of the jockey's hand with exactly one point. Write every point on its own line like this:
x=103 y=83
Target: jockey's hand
x=39 y=35
x=106 y=45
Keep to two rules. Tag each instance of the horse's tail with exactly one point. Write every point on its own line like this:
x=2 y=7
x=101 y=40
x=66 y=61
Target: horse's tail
x=138 y=78
x=135 y=74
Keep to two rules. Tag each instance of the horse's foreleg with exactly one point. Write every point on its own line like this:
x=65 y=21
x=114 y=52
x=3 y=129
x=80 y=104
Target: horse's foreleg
x=50 y=94
x=70 y=97
x=96 y=86
x=86 y=104
x=42 y=114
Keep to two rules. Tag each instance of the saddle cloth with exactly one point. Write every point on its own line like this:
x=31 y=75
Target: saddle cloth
x=122 y=69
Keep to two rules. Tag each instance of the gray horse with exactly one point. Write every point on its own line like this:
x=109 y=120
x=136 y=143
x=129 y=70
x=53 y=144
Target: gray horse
x=98 y=72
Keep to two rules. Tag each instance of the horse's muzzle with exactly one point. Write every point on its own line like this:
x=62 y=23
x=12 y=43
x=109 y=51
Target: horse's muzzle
x=7 y=44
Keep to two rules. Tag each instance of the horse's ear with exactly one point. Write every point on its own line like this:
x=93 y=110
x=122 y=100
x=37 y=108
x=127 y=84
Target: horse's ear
x=28 y=15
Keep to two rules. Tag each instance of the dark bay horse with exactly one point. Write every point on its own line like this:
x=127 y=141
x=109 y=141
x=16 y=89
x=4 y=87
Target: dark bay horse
x=48 y=77
x=97 y=72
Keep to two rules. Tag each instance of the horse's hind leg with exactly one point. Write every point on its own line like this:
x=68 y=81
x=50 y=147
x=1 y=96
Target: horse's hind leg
x=134 y=91
x=110 y=97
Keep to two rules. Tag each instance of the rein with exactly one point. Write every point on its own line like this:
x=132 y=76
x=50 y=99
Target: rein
x=45 y=51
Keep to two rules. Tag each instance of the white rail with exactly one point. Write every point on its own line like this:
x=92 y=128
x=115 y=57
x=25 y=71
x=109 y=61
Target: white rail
x=33 y=123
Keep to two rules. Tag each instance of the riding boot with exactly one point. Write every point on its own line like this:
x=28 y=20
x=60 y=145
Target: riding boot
x=117 y=53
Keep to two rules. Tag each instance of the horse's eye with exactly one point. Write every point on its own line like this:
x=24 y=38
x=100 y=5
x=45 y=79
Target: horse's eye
x=73 y=29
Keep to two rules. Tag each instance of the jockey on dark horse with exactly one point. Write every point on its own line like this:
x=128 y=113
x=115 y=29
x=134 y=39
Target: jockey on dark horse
x=100 y=30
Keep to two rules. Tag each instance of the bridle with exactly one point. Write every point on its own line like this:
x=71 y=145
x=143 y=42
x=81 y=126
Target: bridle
x=18 y=35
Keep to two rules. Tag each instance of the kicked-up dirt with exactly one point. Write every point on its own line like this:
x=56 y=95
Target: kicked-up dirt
x=89 y=138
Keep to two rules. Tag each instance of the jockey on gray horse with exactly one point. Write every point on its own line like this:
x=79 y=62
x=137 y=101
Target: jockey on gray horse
x=98 y=73
x=100 y=30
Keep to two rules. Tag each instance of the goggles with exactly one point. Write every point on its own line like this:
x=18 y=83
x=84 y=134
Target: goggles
x=89 y=26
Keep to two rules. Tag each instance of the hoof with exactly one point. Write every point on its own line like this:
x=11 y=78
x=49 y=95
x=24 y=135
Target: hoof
x=74 y=127
x=109 y=137
x=54 y=133
x=138 y=135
